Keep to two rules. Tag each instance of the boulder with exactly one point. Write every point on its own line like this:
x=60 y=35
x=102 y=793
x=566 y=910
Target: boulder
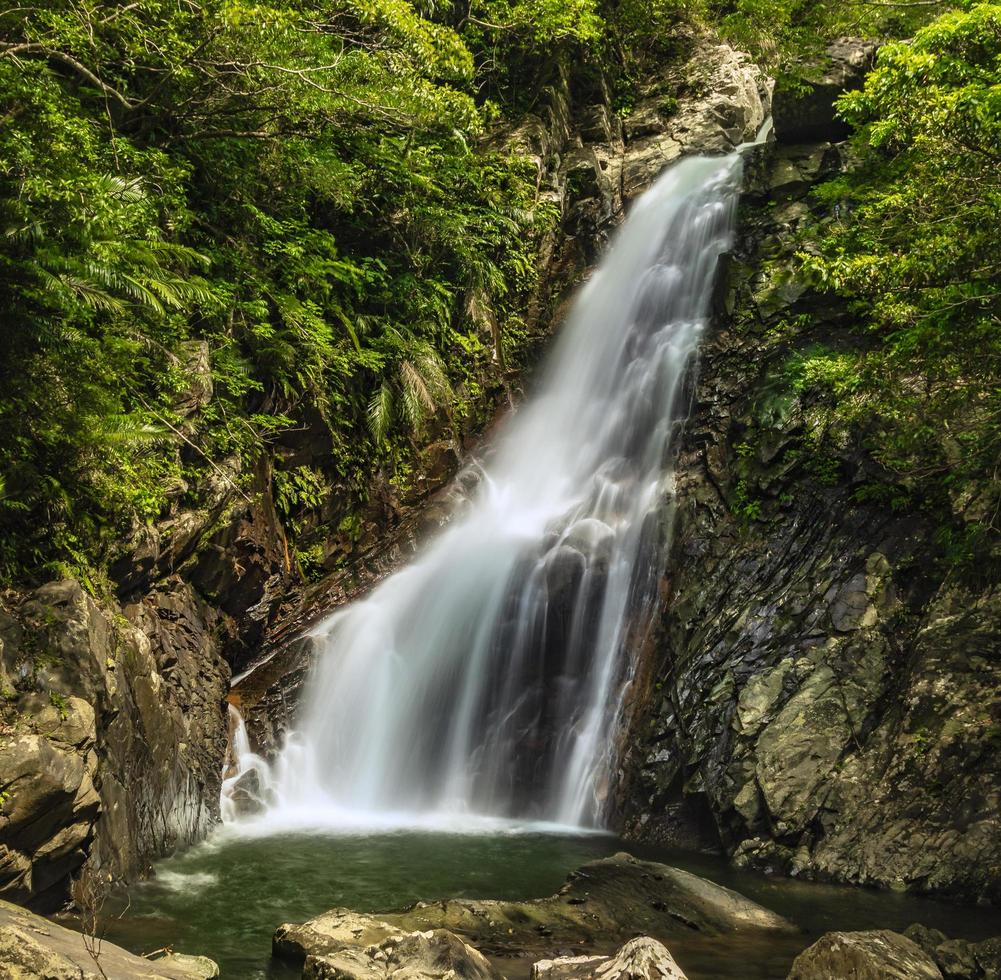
x=330 y=933
x=246 y=793
x=603 y=903
x=47 y=814
x=642 y=958
x=33 y=948
x=804 y=112
x=728 y=106
x=876 y=955
x=433 y=955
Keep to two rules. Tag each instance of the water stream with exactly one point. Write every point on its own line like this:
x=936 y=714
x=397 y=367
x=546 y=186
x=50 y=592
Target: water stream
x=486 y=679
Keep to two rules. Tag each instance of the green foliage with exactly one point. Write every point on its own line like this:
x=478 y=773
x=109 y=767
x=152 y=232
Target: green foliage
x=916 y=249
x=298 y=489
x=312 y=193
x=59 y=702
x=300 y=186
x=788 y=35
x=745 y=506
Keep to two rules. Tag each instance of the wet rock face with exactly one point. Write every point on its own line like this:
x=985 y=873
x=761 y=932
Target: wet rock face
x=112 y=737
x=877 y=955
x=825 y=702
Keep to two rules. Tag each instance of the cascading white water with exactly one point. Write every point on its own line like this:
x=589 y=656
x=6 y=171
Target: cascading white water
x=488 y=676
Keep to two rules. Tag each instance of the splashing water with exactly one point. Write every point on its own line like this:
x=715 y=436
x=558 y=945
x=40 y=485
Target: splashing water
x=489 y=678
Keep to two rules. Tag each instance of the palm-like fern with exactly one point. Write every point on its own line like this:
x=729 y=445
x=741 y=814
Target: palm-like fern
x=417 y=388
x=91 y=264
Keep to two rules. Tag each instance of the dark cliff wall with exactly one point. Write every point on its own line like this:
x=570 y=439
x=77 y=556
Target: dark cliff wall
x=825 y=699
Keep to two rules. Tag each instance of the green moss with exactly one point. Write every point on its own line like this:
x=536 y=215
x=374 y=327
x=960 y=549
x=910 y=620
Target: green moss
x=59 y=702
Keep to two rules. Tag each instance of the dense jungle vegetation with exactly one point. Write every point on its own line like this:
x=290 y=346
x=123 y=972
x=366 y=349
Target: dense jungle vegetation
x=319 y=194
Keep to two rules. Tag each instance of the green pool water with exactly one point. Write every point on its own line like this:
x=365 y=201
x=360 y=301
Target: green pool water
x=225 y=897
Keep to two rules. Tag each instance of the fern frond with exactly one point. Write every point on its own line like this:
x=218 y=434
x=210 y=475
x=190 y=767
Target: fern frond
x=418 y=402
x=128 y=190
x=432 y=370
x=126 y=430
x=84 y=290
x=380 y=412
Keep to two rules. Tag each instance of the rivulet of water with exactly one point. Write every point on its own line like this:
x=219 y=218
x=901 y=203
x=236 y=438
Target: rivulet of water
x=487 y=678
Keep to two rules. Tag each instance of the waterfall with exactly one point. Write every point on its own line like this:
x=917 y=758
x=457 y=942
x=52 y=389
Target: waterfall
x=489 y=676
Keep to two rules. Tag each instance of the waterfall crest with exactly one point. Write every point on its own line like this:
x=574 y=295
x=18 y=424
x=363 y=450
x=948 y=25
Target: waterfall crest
x=488 y=677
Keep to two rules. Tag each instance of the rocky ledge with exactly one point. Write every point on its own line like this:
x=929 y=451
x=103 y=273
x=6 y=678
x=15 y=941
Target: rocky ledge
x=111 y=734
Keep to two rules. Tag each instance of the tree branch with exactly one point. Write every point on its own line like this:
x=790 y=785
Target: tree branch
x=30 y=49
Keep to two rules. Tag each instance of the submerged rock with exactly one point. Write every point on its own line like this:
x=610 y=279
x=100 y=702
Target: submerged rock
x=197 y=967
x=875 y=955
x=602 y=904
x=640 y=959
x=33 y=948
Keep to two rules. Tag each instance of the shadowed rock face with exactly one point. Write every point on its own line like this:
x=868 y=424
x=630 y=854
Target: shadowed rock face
x=805 y=112
x=959 y=959
x=602 y=904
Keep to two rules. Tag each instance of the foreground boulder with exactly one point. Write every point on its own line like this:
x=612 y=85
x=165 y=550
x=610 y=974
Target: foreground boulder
x=640 y=959
x=433 y=955
x=876 y=955
x=33 y=948
x=603 y=904
x=605 y=901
